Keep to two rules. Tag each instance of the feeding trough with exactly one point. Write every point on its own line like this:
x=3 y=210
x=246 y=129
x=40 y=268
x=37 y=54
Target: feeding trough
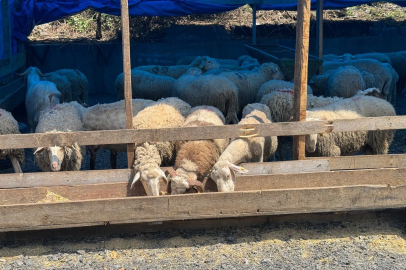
x=284 y=57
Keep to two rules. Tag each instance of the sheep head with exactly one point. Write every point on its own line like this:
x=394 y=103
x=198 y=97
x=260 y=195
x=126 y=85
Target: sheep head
x=311 y=139
x=147 y=166
x=223 y=174
x=209 y=63
x=180 y=183
x=55 y=154
x=271 y=71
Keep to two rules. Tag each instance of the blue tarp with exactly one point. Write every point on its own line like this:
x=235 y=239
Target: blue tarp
x=35 y=12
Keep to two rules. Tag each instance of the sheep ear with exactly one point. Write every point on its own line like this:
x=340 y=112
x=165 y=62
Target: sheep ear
x=39 y=149
x=236 y=168
x=164 y=178
x=136 y=178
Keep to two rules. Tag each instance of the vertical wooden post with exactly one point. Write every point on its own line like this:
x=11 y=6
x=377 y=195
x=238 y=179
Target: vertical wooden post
x=301 y=72
x=125 y=29
x=254 y=24
x=5 y=20
x=319 y=31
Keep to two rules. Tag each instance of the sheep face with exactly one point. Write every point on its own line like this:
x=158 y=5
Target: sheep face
x=272 y=71
x=194 y=71
x=311 y=143
x=55 y=154
x=179 y=185
x=210 y=63
x=150 y=179
x=224 y=176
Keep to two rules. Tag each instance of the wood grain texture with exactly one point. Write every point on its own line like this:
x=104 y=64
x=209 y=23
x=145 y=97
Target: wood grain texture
x=185 y=207
x=294 y=166
x=125 y=32
x=197 y=133
x=301 y=73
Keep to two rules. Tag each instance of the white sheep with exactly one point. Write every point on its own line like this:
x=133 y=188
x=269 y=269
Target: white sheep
x=249 y=82
x=75 y=89
x=202 y=62
x=255 y=149
x=110 y=116
x=183 y=107
x=150 y=156
x=273 y=85
x=61 y=118
x=8 y=125
x=40 y=95
x=211 y=90
x=345 y=82
x=348 y=143
x=194 y=159
x=145 y=85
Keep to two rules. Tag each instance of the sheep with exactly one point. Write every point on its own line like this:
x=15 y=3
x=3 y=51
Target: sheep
x=75 y=89
x=61 y=118
x=381 y=57
x=248 y=83
x=150 y=156
x=273 y=85
x=255 y=149
x=194 y=159
x=204 y=63
x=145 y=85
x=183 y=107
x=345 y=82
x=381 y=74
x=110 y=116
x=40 y=95
x=8 y=125
x=398 y=60
x=348 y=143
x=395 y=78
x=211 y=90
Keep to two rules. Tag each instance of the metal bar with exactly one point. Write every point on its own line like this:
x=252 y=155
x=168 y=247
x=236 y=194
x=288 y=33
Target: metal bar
x=125 y=26
x=319 y=31
x=301 y=72
x=254 y=24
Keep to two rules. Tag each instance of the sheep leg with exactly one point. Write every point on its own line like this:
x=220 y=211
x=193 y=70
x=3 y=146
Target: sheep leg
x=113 y=159
x=16 y=165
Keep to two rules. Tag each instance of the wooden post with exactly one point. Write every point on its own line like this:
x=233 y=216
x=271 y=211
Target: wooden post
x=319 y=31
x=254 y=24
x=125 y=29
x=301 y=72
x=5 y=20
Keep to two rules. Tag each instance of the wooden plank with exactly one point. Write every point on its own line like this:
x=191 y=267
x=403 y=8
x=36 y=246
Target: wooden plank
x=388 y=176
x=125 y=33
x=294 y=166
x=300 y=76
x=254 y=24
x=13 y=63
x=365 y=162
x=13 y=99
x=197 y=133
x=319 y=31
x=5 y=22
x=186 y=207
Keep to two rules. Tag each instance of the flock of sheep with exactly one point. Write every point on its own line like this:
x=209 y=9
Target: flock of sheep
x=204 y=91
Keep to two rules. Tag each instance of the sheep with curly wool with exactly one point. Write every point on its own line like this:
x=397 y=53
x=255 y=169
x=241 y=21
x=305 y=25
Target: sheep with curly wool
x=183 y=107
x=40 y=95
x=110 y=116
x=273 y=85
x=255 y=149
x=204 y=63
x=145 y=85
x=345 y=82
x=72 y=84
x=8 y=125
x=150 y=156
x=194 y=159
x=249 y=82
x=216 y=91
x=61 y=118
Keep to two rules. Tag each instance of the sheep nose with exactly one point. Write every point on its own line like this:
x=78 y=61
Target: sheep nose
x=55 y=166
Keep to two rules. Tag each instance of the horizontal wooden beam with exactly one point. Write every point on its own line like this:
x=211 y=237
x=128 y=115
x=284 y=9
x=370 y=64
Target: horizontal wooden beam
x=364 y=162
x=293 y=166
x=194 y=206
x=198 y=133
x=11 y=64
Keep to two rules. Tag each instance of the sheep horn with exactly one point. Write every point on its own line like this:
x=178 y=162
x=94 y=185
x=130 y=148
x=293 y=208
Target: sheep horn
x=24 y=73
x=194 y=183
